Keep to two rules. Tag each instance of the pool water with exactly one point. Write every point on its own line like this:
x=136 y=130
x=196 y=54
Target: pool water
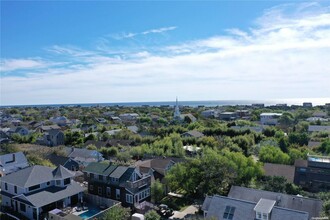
x=91 y=212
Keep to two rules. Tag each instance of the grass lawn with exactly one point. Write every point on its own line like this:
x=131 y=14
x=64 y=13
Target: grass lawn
x=178 y=204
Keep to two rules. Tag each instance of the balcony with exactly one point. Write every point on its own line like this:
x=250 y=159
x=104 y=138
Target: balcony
x=139 y=183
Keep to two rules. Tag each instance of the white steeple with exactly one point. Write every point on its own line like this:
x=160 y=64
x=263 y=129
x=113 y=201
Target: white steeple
x=177 y=110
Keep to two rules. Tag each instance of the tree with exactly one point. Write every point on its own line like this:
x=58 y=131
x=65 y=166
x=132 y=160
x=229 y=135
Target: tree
x=74 y=138
x=325 y=147
x=152 y=215
x=157 y=191
x=270 y=154
x=117 y=213
x=212 y=173
x=298 y=138
x=91 y=147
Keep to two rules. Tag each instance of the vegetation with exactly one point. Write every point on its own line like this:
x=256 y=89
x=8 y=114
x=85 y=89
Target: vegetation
x=157 y=191
x=152 y=215
x=117 y=213
x=212 y=173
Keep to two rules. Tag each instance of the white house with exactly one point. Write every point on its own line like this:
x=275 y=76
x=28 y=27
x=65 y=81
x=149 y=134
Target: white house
x=34 y=191
x=269 y=118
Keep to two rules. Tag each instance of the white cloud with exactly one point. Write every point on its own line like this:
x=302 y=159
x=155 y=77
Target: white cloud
x=124 y=35
x=159 y=30
x=22 y=64
x=284 y=58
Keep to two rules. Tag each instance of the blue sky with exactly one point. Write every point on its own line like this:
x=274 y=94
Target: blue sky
x=112 y=51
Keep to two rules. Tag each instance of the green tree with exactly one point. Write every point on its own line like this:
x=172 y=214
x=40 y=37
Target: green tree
x=152 y=215
x=75 y=138
x=325 y=147
x=157 y=191
x=270 y=154
x=91 y=147
x=212 y=173
x=117 y=213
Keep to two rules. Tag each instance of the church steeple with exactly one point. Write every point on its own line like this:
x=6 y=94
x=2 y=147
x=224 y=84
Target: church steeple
x=177 y=110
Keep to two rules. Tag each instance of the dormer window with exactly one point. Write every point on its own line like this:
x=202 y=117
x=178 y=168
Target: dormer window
x=264 y=208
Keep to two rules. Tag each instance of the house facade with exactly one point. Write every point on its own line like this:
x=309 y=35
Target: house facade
x=269 y=118
x=313 y=174
x=124 y=184
x=32 y=192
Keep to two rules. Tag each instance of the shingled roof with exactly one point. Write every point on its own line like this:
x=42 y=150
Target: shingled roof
x=312 y=206
x=286 y=171
x=104 y=169
x=216 y=206
x=35 y=175
x=62 y=173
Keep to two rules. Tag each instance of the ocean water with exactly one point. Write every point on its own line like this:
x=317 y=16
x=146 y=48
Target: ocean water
x=289 y=102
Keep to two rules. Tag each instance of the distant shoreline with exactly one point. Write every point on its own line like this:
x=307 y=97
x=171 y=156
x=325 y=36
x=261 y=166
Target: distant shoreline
x=289 y=102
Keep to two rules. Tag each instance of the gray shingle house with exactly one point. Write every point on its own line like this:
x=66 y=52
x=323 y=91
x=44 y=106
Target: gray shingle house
x=121 y=183
x=34 y=191
x=10 y=163
x=223 y=208
x=312 y=206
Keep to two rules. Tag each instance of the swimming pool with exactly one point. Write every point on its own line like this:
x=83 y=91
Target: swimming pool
x=91 y=212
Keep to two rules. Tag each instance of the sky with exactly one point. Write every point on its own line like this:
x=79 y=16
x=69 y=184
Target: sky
x=61 y=52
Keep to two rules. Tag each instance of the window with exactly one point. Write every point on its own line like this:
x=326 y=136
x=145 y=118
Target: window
x=15 y=189
x=229 y=212
x=6 y=186
x=92 y=175
x=48 y=183
x=264 y=216
x=67 y=181
x=100 y=177
x=117 y=193
x=31 y=188
x=258 y=215
x=23 y=207
x=91 y=187
x=100 y=190
x=129 y=198
x=108 y=191
x=58 y=182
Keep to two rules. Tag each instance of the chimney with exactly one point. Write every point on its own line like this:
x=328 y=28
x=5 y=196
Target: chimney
x=14 y=157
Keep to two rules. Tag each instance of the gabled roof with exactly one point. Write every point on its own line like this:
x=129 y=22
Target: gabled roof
x=313 y=128
x=97 y=144
x=286 y=171
x=57 y=159
x=216 y=206
x=127 y=175
x=103 y=169
x=62 y=173
x=50 y=127
x=35 y=175
x=118 y=172
x=194 y=133
x=13 y=159
x=312 y=206
x=82 y=153
x=157 y=164
x=51 y=194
